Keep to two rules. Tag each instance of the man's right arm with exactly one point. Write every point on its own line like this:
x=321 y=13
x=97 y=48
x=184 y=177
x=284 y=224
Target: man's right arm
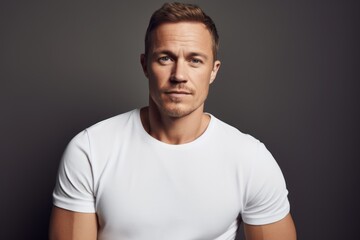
x=69 y=225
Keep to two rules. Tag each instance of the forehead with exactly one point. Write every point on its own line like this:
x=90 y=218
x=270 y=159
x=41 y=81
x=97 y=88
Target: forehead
x=189 y=35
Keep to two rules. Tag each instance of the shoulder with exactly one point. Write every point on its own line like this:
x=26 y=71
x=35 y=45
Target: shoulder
x=249 y=153
x=233 y=137
x=108 y=126
x=104 y=134
x=108 y=129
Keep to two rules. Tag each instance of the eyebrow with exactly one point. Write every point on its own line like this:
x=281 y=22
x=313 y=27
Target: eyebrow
x=171 y=54
x=196 y=54
x=164 y=52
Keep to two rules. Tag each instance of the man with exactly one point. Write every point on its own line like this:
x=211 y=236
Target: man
x=169 y=170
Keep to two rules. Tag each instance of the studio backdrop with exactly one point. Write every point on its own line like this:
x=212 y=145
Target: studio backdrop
x=289 y=77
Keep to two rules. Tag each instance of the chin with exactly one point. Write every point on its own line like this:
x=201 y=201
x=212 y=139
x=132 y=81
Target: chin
x=178 y=111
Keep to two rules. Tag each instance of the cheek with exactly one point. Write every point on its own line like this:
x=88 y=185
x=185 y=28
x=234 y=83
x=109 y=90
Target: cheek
x=201 y=91
x=158 y=76
x=202 y=81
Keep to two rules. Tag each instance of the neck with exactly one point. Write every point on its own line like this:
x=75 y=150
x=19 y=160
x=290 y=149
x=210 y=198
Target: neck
x=174 y=130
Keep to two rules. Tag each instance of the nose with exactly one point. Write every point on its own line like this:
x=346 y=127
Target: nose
x=179 y=72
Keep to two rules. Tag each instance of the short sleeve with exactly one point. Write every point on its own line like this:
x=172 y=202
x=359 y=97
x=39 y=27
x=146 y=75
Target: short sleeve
x=74 y=186
x=266 y=194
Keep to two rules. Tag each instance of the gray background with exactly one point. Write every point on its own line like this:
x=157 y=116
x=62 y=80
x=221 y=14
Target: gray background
x=290 y=77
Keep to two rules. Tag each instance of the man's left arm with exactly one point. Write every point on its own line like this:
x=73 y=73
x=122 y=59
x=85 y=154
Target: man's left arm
x=280 y=230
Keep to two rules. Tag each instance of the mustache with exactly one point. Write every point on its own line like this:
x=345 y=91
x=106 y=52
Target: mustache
x=179 y=88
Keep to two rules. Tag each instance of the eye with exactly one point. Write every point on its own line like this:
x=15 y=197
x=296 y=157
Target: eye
x=164 y=59
x=195 y=61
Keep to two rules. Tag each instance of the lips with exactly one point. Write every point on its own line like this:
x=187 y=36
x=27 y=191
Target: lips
x=185 y=91
x=177 y=95
x=177 y=92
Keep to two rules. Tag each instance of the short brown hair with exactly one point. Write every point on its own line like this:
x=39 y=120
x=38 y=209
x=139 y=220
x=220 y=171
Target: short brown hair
x=181 y=12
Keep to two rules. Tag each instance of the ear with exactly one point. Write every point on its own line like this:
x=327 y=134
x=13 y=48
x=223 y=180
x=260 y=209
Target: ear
x=144 y=64
x=215 y=70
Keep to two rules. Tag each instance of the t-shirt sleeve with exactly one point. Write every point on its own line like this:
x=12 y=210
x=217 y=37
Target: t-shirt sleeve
x=74 y=186
x=266 y=194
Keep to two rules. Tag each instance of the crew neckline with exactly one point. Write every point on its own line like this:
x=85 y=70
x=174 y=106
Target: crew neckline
x=150 y=139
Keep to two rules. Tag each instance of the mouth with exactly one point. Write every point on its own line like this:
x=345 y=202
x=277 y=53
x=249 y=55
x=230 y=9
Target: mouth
x=178 y=91
x=177 y=94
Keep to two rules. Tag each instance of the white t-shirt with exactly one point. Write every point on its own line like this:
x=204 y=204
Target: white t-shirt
x=144 y=189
